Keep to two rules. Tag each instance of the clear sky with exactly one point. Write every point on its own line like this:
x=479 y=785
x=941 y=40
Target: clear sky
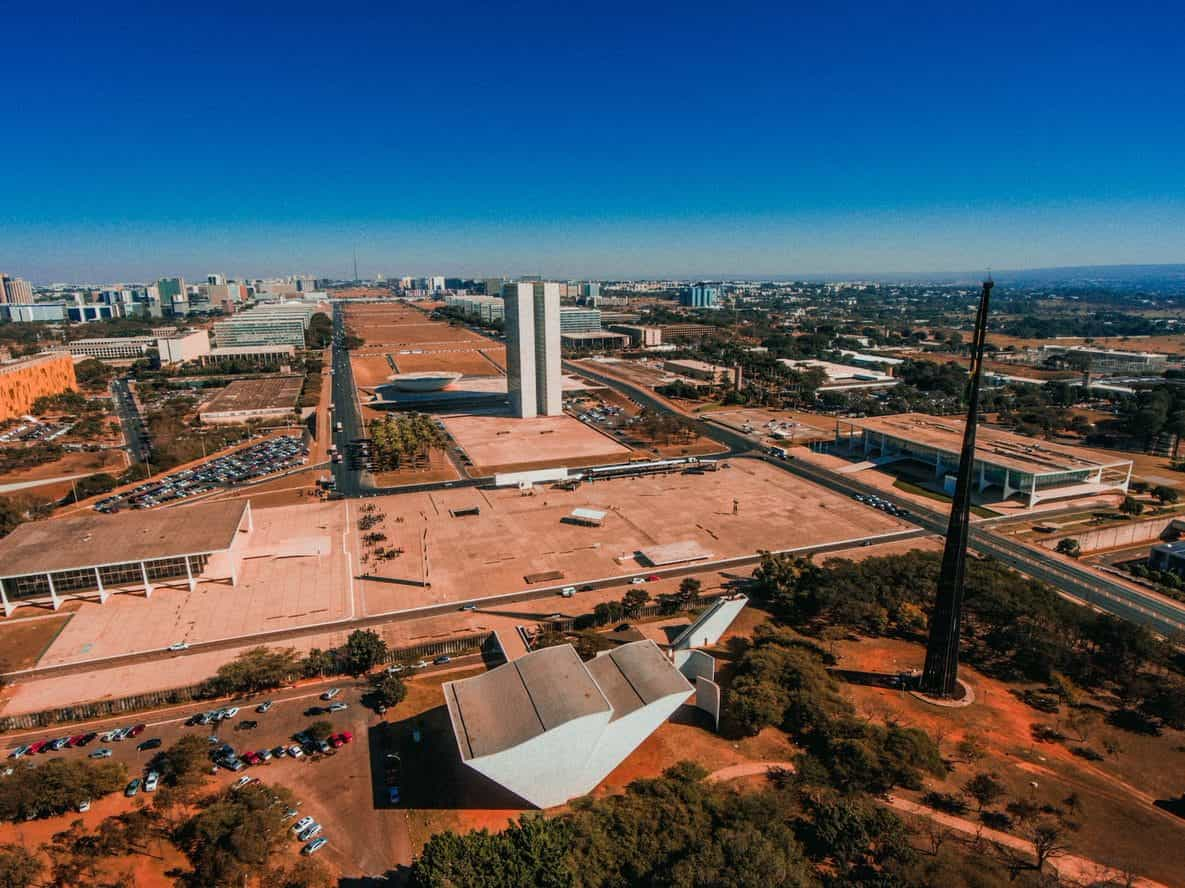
x=606 y=139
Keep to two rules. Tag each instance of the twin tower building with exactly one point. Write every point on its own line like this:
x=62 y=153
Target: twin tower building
x=532 y=322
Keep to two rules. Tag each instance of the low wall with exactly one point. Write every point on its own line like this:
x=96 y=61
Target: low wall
x=1129 y=533
x=486 y=642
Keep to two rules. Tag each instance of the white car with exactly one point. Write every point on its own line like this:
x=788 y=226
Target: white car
x=638 y=581
x=302 y=824
x=151 y=781
x=309 y=832
x=314 y=846
x=241 y=782
x=83 y=806
x=338 y=707
x=419 y=664
x=230 y=712
x=331 y=693
x=295 y=751
x=394 y=669
x=178 y=646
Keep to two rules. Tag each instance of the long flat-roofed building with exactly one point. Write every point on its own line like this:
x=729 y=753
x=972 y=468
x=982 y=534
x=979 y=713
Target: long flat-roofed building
x=25 y=380
x=94 y=555
x=1037 y=470
x=550 y=727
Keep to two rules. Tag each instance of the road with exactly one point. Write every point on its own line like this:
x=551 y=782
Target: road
x=484 y=603
x=130 y=420
x=1146 y=608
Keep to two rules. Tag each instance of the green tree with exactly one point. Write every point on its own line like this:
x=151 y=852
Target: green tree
x=1069 y=546
x=184 y=764
x=19 y=867
x=1131 y=506
x=1165 y=495
x=633 y=602
x=320 y=730
x=318 y=663
x=255 y=670
x=389 y=690
x=365 y=649
x=985 y=788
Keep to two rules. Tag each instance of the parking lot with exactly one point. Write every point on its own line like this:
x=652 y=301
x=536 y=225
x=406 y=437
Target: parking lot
x=256 y=461
x=339 y=788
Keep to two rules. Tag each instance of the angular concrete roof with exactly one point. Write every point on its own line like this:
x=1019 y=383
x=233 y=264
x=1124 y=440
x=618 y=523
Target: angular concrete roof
x=94 y=539
x=521 y=699
x=635 y=675
x=547 y=688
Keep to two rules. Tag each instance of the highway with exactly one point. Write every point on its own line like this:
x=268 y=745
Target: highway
x=1156 y=612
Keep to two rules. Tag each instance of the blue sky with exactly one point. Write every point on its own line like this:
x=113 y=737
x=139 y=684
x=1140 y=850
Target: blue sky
x=618 y=140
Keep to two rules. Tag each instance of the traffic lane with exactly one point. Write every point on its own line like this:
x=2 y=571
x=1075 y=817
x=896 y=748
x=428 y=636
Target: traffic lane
x=169 y=722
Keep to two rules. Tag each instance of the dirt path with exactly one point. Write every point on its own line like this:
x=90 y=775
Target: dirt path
x=1068 y=866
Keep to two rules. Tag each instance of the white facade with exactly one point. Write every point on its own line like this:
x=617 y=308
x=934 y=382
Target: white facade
x=178 y=349
x=532 y=323
x=549 y=727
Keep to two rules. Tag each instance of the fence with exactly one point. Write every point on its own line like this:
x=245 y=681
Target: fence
x=483 y=642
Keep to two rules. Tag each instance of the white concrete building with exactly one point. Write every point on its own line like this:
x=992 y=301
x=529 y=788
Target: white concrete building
x=179 y=349
x=533 y=371
x=93 y=555
x=550 y=727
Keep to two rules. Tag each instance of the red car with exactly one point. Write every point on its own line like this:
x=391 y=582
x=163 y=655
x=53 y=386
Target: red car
x=35 y=748
x=137 y=730
x=76 y=740
x=336 y=741
x=252 y=758
x=653 y=578
x=346 y=736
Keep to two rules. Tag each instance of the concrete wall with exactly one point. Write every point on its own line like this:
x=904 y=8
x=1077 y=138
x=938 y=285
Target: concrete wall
x=1129 y=533
x=622 y=737
x=707 y=698
x=23 y=382
x=695 y=664
x=711 y=624
x=549 y=769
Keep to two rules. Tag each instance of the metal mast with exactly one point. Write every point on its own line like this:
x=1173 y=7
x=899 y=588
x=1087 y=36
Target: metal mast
x=941 y=672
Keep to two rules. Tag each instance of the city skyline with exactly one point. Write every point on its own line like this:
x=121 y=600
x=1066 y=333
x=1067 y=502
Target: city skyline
x=771 y=142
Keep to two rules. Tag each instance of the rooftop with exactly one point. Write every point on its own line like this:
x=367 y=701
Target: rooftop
x=94 y=540
x=547 y=688
x=268 y=393
x=994 y=446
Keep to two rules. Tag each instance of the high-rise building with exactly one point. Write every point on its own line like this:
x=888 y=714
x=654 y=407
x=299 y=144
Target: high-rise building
x=532 y=323
x=174 y=297
x=590 y=293
x=492 y=286
x=216 y=280
x=579 y=320
x=14 y=291
x=701 y=296
x=437 y=283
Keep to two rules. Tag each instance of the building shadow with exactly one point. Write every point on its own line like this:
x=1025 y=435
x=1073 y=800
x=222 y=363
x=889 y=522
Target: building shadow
x=431 y=774
x=893 y=681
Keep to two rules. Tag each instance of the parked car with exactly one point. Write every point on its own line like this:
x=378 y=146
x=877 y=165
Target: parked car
x=315 y=845
x=263 y=707
x=83 y=806
x=151 y=781
x=241 y=782
x=442 y=659
x=247 y=724
x=309 y=832
x=103 y=753
x=178 y=646
x=331 y=693
x=151 y=743
x=638 y=581
x=338 y=707
x=419 y=664
x=265 y=755
x=295 y=751
x=137 y=730
x=132 y=788
x=394 y=669
x=302 y=824
x=18 y=752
